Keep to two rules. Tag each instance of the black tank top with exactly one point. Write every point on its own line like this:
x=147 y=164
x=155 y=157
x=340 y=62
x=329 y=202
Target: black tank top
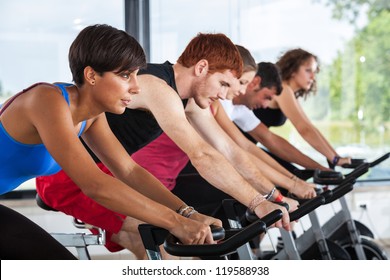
x=136 y=128
x=270 y=117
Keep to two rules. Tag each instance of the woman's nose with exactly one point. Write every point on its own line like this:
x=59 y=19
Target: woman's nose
x=134 y=87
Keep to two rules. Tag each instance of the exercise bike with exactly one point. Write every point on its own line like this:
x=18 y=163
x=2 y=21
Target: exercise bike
x=78 y=240
x=314 y=244
x=229 y=240
x=342 y=233
x=239 y=216
x=356 y=238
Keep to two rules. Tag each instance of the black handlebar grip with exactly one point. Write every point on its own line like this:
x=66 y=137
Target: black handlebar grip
x=269 y=219
x=327 y=194
x=359 y=171
x=227 y=246
x=339 y=191
x=284 y=204
x=355 y=162
x=307 y=207
x=379 y=160
x=217 y=232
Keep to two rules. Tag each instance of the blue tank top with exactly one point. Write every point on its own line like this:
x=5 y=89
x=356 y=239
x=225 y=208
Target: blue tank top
x=20 y=162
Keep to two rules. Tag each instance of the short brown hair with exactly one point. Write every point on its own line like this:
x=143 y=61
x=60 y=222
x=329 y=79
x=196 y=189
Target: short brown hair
x=217 y=49
x=105 y=49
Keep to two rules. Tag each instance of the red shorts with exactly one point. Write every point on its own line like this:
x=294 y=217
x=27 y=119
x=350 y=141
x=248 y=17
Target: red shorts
x=59 y=192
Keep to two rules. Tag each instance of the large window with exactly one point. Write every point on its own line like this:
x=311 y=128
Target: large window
x=35 y=37
x=351 y=108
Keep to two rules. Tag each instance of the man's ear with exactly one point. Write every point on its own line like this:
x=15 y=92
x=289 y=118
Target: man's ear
x=201 y=67
x=89 y=75
x=255 y=82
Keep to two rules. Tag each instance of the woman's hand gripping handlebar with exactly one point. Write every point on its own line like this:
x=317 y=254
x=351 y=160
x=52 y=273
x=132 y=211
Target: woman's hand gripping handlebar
x=355 y=162
x=235 y=238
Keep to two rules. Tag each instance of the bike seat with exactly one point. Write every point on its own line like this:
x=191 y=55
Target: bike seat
x=327 y=177
x=304 y=174
x=43 y=205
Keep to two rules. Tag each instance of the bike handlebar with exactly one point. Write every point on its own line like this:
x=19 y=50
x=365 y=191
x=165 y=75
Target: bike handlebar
x=340 y=191
x=225 y=247
x=379 y=160
x=307 y=207
x=336 y=178
x=355 y=162
x=303 y=209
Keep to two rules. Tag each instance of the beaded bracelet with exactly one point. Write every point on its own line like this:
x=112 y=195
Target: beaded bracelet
x=182 y=212
x=193 y=211
x=256 y=202
x=181 y=208
x=186 y=211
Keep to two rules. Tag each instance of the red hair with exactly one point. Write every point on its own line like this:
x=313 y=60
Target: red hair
x=217 y=49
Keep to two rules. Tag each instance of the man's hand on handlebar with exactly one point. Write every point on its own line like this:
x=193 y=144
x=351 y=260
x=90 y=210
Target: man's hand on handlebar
x=267 y=207
x=304 y=190
x=292 y=204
